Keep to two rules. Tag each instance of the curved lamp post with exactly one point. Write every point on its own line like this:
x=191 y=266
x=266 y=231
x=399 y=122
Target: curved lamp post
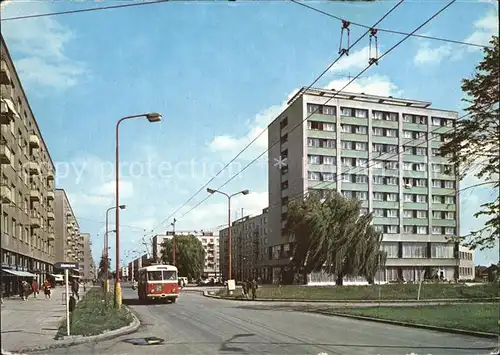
x=151 y=117
x=243 y=192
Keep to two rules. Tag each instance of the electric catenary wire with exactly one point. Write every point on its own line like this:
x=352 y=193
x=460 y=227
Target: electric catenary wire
x=300 y=124
x=388 y=30
x=341 y=54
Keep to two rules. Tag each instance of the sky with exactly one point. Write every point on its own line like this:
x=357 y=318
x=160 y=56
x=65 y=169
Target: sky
x=218 y=73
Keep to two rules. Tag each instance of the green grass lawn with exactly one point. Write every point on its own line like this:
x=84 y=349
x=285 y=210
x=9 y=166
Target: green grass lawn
x=387 y=292
x=92 y=316
x=470 y=316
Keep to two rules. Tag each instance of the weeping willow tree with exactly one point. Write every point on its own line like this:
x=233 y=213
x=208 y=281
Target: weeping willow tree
x=331 y=236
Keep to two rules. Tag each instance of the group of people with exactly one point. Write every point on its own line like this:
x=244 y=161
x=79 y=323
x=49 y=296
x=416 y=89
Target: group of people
x=250 y=286
x=27 y=288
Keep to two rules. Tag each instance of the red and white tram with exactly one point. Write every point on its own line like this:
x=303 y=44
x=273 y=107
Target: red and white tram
x=158 y=282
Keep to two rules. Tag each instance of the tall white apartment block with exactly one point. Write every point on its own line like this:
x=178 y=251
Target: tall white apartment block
x=381 y=150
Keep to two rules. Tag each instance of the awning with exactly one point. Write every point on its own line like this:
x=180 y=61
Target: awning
x=19 y=273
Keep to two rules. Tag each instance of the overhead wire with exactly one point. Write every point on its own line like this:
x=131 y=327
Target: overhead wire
x=341 y=55
x=388 y=30
x=300 y=124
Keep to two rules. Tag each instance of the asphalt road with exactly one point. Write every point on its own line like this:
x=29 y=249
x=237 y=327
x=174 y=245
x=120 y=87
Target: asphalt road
x=199 y=325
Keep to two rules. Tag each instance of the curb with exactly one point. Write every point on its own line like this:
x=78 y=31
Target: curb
x=414 y=325
x=78 y=339
x=291 y=300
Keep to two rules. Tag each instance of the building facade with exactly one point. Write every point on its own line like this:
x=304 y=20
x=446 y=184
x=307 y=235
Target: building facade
x=249 y=245
x=87 y=265
x=26 y=184
x=69 y=243
x=209 y=241
x=381 y=150
x=467 y=270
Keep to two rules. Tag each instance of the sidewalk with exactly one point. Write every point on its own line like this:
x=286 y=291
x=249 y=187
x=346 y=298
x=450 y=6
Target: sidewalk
x=32 y=323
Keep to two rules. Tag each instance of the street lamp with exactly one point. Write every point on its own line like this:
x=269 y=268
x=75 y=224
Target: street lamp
x=151 y=117
x=173 y=242
x=243 y=192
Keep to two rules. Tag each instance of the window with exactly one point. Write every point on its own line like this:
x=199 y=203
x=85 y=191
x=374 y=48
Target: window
x=436 y=121
x=436 y=230
x=415 y=250
x=361 y=146
x=392 y=229
x=360 y=162
x=314 y=159
x=155 y=275
x=313 y=175
x=391 y=148
x=449 y=231
x=392 y=197
x=378 y=228
x=407 y=118
x=313 y=142
x=420 y=182
x=449 y=200
x=361 y=113
x=421 y=151
x=408 y=150
x=328 y=143
x=391 y=180
x=378 y=180
x=391 y=133
x=391 y=165
x=421 y=198
x=421 y=214
x=346 y=145
x=329 y=110
x=419 y=167
x=407 y=134
x=330 y=127
x=378 y=131
x=408 y=197
x=421 y=135
x=347 y=162
x=449 y=184
x=377 y=115
x=328 y=177
x=449 y=215
x=329 y=160
x=362 y=195
x=392 y=213
x=391 y=249
x=407 y=166
x=436 y=183
x=435 y=152
x=347 y=177
x=442 y=250
x=311 y=108
x=378 y=196
x=408 y=213
x=409 y=229
x=346 y=128
x=436 y=214
x=378 y=164
x=378 y=212
x=421 y=230
x=347 y=194
x=361 y=130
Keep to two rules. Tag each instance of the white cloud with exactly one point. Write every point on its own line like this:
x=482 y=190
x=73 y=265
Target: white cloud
x=224 y=143
x=427 y=54
x=484 y=28
x=375 y=85
x=40 y=46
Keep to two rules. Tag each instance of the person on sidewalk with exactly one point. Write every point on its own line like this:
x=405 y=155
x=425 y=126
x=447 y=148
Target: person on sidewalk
x=254 y=287
x=36 y=289
x=47 y=289
x=25 y=290
x=75 y=287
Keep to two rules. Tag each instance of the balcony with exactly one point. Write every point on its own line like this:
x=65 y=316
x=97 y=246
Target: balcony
x=51 y=195
x=50 y=235
x=7 y=114
x=4 y=73
x=5 y=193
x=35 y=220
x=50 y=174
x=7 y=92
x=51 y=215
x=34 y=168
x=35 y=194
x=34 y=141
x=5 y=153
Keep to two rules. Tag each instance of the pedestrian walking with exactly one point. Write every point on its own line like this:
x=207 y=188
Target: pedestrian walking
x=75 y=287
x=47 y=289
x=25 y=290
x=254 y=286
x=244 y=289
x=36 y=289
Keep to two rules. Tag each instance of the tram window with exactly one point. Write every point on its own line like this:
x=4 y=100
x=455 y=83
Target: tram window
x=154 y=276
x=169 y=275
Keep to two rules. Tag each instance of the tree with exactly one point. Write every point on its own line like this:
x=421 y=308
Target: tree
x=473 y=146
x=331 y=236
x=189 y=257
x=104 y=264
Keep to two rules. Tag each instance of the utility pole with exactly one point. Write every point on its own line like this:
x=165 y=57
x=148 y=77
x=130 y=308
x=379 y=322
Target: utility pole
x=173 y=242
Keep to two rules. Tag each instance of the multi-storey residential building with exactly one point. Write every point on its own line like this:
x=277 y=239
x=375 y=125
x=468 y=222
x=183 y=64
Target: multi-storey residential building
x=249 y=245
x=26 y=184
x=381 y=150
x=210 y=244
x=466 y=267
x=87 y=266
x=68 y=240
